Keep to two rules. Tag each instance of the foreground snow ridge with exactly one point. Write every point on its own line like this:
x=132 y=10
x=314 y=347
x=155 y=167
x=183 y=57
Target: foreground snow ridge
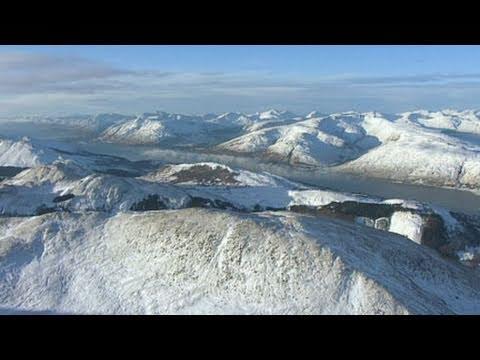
x=169 y=262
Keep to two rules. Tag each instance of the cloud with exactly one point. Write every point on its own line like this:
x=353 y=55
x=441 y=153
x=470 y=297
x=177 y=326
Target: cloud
x=418 y=79
x=35 y=83
x=22 y=73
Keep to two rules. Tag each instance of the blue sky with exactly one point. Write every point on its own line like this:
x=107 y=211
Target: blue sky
x=199 y=79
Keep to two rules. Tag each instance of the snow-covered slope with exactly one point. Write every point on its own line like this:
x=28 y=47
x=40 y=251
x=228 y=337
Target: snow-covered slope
x=68 y=187
x=28 y=153
x=467 y=121
x=96 y=243
x=170 y=262
x=176 y=129
x=208 y=173
x=88 y=233
x=315 y=141
x=411 y=153
x=434 y=148
x=23 y=153
x=167 y=129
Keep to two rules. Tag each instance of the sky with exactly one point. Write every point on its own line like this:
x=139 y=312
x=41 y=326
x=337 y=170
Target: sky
x=63 y=80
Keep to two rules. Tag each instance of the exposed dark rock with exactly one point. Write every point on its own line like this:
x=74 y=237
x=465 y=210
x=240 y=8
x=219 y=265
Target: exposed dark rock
x=365 y=221
x=9 y=171
x=258 y=208
x=370 y=210
x=382 y=223
x=62 y=198
x=43 y=209
x=466 y=236
x=206 y=175
x=321 y=210
x=349 y=210
x=211 y=203
x=470 y=228
x=434 y=233
x=151 y=202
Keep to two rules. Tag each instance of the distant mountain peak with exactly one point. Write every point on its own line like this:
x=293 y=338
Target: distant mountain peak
x=275 y=114
x=314 y=114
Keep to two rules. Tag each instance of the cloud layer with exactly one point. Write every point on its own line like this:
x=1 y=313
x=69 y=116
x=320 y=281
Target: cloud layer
x=35 y=83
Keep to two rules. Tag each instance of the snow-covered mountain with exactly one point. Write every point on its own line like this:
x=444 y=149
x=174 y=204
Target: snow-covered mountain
x=150 y=129
x=315 y=141
x=467 y=121
x=23 y=153
x=90 y=233
x=171 y=262
x=413 y=153
x=89 y=242
x=420 y=147
x=166 y=129
x=434 y=148
x=28 y=153
x=177 y=129
x=65 y=186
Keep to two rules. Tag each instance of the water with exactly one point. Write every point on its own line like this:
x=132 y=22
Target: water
x=456 y=200
x=473 y=139
x=41 y=131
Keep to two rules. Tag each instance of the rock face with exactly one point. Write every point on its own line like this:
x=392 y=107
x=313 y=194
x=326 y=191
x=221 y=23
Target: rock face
x=169 y=262
x=455 y=236
x=382 y=223
x=199 y=174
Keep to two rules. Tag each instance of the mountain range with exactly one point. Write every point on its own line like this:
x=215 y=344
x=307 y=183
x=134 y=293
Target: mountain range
x=422 y=147
x=88 y=233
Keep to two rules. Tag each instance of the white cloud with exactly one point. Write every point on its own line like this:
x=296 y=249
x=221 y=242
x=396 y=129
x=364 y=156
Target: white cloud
x=32 y=83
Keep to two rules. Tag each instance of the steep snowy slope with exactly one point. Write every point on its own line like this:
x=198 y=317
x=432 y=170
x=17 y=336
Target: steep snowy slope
x=410 y=153
x=168 y=129
x=451 y=234
x=467 y=121
x=270 y=118
x=24 y=154
x=315 y=141
x=419 y=147
x=169 y=262
x=66 y=186
x=27 y=153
